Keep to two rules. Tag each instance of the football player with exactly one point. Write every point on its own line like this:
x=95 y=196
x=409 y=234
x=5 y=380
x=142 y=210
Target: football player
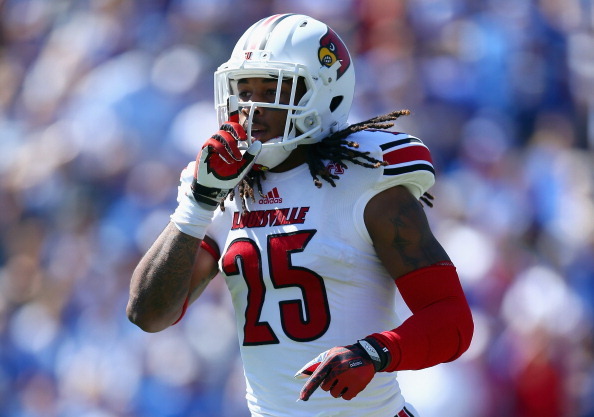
x=318 y=228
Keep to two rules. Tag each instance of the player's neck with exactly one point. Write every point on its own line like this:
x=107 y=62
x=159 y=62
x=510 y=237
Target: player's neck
x=295 y=158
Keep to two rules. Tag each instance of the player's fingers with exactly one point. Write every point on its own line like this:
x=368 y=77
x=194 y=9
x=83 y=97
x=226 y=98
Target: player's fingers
x=338 y=389
x=233 y=109
x=235 y=129
x=356 y=383
x=314 y=382
x=215 y=145
x=225 y=146
x=312 y=365
x=307 y=370
x=349 y=393
x=328 y=384
x=239 y=138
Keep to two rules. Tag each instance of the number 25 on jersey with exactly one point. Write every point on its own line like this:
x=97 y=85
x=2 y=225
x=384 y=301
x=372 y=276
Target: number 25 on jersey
x=301 y=320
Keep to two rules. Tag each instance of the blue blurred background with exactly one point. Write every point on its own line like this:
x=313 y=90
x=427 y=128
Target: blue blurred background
x=103 y=102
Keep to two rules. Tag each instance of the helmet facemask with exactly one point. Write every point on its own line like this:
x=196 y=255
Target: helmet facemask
x=298 y=114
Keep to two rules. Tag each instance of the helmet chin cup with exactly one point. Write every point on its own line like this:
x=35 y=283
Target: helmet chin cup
x=273 y=153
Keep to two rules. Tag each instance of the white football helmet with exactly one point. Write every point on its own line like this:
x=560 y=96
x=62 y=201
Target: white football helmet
x=286 y=47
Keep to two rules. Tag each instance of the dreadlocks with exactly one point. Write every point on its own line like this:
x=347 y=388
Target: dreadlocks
x=335 y=148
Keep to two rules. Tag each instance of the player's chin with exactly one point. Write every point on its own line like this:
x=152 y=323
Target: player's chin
x=262 y=136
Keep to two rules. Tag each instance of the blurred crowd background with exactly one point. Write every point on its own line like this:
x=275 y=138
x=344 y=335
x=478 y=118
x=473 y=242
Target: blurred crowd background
x=103 y=102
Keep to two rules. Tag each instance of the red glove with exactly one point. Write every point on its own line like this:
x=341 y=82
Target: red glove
x=344 y=371
x=220 y=166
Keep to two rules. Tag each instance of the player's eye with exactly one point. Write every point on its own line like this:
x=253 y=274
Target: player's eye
x=244 y=95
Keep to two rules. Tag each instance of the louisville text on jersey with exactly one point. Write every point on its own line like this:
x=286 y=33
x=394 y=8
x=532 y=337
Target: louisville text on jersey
x=274 y=217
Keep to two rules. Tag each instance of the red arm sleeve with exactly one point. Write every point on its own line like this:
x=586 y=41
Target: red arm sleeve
x=441 y=327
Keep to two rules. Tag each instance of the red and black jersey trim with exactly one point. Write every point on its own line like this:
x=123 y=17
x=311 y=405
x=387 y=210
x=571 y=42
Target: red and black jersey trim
x=405 y=155
x=409 y=168
x=404 y=413
x=261 y=33
x=395 y=143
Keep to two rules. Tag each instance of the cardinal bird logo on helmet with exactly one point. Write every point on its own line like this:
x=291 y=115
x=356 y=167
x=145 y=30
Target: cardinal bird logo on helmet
x=331 y=50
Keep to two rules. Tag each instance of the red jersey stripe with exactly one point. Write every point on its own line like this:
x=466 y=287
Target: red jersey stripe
x=408 y=154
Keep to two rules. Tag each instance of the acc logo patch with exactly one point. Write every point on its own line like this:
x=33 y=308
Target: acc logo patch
x=331 y=50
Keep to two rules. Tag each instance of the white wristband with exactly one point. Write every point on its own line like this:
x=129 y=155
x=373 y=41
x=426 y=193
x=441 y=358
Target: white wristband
x=189 y=217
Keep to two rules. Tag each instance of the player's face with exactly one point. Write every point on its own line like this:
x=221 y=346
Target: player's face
x=267 y=123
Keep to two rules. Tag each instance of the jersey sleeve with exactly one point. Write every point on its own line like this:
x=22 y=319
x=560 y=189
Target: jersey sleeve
x=408 y=162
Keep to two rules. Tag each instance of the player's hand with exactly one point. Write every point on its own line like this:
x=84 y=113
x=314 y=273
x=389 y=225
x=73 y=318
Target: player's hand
x=220 y=165
x=344 y=371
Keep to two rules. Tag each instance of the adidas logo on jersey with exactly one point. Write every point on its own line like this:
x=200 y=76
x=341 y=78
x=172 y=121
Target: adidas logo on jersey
x=272 y=197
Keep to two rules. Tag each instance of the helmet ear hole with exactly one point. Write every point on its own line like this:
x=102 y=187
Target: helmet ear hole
x=335 y=102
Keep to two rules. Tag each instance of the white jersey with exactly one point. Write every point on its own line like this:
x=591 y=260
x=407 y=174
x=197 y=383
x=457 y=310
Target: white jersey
x=304 y=276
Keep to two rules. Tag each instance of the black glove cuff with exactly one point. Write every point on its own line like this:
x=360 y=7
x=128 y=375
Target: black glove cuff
x=378 y=353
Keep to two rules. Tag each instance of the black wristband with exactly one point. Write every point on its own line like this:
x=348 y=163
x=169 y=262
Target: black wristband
x=207 y=196
x=378 y=353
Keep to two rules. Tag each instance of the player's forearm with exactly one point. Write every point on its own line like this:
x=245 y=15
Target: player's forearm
x=441 y=327
x=161 y=282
